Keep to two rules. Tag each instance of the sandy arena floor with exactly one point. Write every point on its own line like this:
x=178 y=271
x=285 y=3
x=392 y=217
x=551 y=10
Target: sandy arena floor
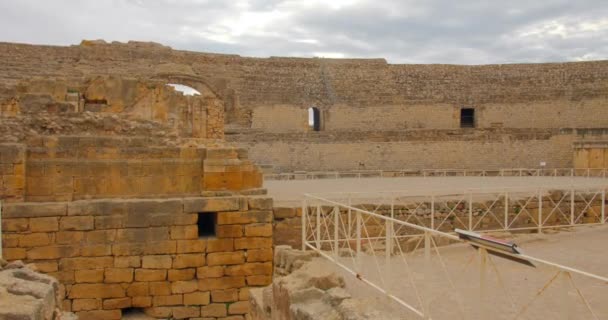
x=579 y=248
x=290 y=192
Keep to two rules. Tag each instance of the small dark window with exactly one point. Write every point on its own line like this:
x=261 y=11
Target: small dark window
x=467 y=118
x=133 y=313
x=314 y=118
x=206 y=224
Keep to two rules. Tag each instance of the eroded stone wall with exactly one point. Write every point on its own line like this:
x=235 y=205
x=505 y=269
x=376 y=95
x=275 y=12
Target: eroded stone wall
x=268 y=96
x=115 y=254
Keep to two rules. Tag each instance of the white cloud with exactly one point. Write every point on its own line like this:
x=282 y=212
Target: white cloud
x=403 y=31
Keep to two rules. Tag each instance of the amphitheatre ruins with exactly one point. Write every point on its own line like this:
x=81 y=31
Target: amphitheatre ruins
x=121 y=195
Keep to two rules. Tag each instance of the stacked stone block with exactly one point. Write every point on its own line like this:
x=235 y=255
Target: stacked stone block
x=230 y=169
x=115 y=254
x=12 y=172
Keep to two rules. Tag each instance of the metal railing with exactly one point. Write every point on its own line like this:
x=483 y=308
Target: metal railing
x=417 y=266
x=487 y=209
x=509 y=172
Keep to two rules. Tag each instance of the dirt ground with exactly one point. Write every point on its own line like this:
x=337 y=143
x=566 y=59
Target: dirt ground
x=290 y=192
x=455 y=292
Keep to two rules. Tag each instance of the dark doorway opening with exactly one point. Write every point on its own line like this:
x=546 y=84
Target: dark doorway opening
x=314 y=118
x=206 y=224
x=467 y=118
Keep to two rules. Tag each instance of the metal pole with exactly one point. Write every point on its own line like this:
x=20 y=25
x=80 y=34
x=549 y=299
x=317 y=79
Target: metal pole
x=506 y=210
x=388 y=247
x=427 y=248
x=336 y=230
x=319 y=227
x=540 y=210
x=572 y=206
x=603 y=210
x=350 y=219
x=433 y=212
x=470 y=211
x=304 y=214
x=358 y=245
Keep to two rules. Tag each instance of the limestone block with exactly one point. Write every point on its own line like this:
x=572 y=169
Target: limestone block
x=69 y=237
x=222 y=153
x=100 y=236
x=179 y=287
x=211 y=204
x=248 y=269
x=127 y=262
x=34 y=240
x=214 y=310
x=150 y=275
x=96 y=250
x=252 y=243
x=189 y=246
x=138 y=289
x=77 y=223
x=52 y=252
x=220 y=245
x=259 y=280
x=157 y=262
x=185 y=312
x=197 y=298
x=284 y=212
x=33 y=210
x=141 y=302
x=182 y=274
x=161 y=247
x=257 y=203
x=225 y=258
x=210 y=272
x=118 y=275
x=14 y=253
x=170 y=300
x=259 y=255
x=15 y=225
x=117 y=303
x=258 y=230
x=228 y=295
x=240 y=307
x=86 y=304
x=89 y=276
x=229 y=231
x=81 y=263
x=210 y=284
x=244 y=217
x=96 y=290
x=182 y=261
x=44 y=224
x=96 y=207
x=160 y=288
x=184 y=232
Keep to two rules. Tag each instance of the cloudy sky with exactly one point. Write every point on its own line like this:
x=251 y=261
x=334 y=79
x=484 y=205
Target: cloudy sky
x=402 y=31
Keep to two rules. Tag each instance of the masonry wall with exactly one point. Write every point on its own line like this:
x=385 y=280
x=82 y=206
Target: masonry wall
x=115 y=254
x=426 y=150
x=12 y=171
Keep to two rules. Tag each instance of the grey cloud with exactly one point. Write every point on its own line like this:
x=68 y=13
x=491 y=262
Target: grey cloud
x=403 y=31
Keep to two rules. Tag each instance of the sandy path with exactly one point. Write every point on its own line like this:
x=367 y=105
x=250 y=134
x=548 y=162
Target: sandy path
x=582 y=249
x=291 y=192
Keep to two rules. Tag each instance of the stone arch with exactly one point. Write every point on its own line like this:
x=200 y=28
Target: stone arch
x=221 y=91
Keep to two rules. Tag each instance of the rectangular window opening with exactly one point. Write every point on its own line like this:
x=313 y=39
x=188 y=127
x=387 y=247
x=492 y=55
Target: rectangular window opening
x=467 y=118
x=133 y=313
x=207 y=222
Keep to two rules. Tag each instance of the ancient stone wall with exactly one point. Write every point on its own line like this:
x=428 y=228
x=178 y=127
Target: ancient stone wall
x=369 y=96
x=117 y=254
